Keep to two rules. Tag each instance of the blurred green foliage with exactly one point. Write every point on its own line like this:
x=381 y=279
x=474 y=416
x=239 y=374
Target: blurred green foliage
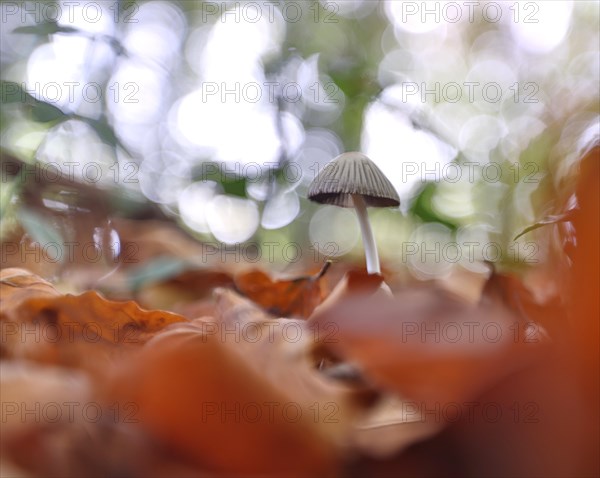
x=351 y=53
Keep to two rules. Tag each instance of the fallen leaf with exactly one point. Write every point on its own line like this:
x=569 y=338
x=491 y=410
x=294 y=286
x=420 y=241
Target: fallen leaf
x=584 y=308
x=534 y=317
x=53 y=424
x=81 y=447
x=354 y=283
x=16 y=285
x=184 y=292
x=390 y=426
x=205 y=403
x=38 y=323
x=281 y=351
x=32 y=394
x=286 y=298
x=423 y=344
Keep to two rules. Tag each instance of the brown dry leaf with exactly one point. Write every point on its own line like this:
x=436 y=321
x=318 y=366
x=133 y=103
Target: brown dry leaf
x=80 y=331
x=206 y=404
x=81 y=445
x=410 y=346
x=32 y=394
x=201 y=281
x=393 y=424
x=354 y=283
x=280 y=350
x=585 y=309
x=423 y=344
x=187 y=293
x=350 y=412
x=33 y=397
x=16 y=285
x=540 y=320
x=248 y=344
x=286 y=298
x=54 y=425
x=195 y=309
x=103 y=449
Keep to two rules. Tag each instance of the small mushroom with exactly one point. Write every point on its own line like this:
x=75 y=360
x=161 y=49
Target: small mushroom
x=353 y=180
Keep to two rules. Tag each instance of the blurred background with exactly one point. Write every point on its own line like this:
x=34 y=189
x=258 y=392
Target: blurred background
x=119 y=118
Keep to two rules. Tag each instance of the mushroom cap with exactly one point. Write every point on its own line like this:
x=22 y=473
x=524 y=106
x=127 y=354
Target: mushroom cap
x=352 y=173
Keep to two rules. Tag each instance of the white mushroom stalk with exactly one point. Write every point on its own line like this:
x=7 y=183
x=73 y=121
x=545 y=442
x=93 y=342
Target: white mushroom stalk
x=368 y=238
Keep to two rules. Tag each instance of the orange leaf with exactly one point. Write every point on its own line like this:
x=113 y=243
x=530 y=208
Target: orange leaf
x=38 y=323
x=423 y=344
x=288 y=298
x=188 y=293
x=354 y=283
x=16 y=285
x=193 y=394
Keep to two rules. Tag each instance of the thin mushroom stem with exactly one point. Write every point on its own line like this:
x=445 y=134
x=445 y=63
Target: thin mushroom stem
x=367 y=235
